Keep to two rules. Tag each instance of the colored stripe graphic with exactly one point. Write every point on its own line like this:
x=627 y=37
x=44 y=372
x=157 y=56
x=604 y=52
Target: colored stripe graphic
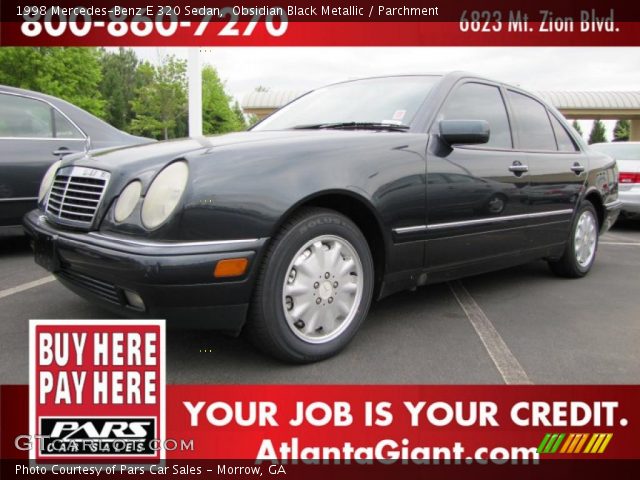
x=555 y=447
x=581 y=443
x=576 y=441
x=550 y=443
x=596 y=446
x=543 y=443
x=572 y=443
x=569 y=441
x=592 y=440
x=603 y=447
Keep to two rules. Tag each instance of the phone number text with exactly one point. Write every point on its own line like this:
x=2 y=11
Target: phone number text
x=143 y=22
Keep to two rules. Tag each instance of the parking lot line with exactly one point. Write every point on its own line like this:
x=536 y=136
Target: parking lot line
x=26 y=286
x=504 y=360
x=633 y=244
x=615 y=237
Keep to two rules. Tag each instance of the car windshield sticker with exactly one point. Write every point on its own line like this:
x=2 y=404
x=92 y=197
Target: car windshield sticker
x=399 y=115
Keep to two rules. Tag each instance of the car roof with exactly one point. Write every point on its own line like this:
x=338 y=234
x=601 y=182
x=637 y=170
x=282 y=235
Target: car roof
x=30 y=93
x=452 y=76
x=91 y=125
x=58 y=102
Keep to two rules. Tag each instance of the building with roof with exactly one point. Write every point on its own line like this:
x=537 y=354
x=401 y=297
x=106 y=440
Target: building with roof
x=583 y=105
x=263 y=103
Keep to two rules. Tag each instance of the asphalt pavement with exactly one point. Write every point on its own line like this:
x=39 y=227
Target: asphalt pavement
x=521 y=325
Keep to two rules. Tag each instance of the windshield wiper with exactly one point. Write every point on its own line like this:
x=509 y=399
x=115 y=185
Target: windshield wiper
x=354 y=125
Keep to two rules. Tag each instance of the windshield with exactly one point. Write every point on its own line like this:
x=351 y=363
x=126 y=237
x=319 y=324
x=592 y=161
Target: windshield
x=377 y=101
x=619 y=150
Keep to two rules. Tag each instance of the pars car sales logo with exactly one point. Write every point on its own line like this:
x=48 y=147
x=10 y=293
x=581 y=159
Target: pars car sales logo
x=97 y=389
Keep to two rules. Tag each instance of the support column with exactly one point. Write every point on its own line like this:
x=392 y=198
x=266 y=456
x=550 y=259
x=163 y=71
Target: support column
x=194 y=76
x=634 y=135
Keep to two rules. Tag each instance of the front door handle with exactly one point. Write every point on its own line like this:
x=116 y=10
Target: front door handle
x=577 y=168
x=518 y=168
x=62 y=151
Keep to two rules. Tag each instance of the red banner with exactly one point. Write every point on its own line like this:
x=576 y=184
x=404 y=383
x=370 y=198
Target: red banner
x=383 y=424
x=336 y=34
x=312 y=23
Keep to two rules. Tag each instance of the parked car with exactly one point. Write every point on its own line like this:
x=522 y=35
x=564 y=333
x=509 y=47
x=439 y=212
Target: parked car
x=290 y=230
x=35 y=131
x=627 y=155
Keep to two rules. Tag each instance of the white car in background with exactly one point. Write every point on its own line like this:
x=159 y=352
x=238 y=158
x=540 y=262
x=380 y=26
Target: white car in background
x=627 y=155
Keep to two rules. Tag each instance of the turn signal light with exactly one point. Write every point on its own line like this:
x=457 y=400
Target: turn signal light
x=626 y=177
x=134 y=300
x=231 y=267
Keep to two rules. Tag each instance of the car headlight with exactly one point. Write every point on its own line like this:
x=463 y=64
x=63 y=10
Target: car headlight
x=47 y=181
x=164 y=194
x=127 y=201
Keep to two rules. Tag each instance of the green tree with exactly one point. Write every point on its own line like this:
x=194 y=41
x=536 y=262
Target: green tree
x=252 y=119
x=120 y=80
x=622 y=130
x=242 y=121
x=576 y=126
x=72 y=74
x=598 y=133
x=217 y=114
x=160 y=106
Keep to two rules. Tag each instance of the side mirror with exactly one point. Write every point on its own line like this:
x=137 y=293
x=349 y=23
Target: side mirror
x=467 y=132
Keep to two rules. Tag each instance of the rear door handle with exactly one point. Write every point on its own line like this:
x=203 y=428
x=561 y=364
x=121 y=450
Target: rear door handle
x=577 y=168
x=518 y=168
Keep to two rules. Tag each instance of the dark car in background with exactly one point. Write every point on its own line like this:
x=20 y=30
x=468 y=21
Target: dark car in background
x=36 y=130
x=348 y=194
x=627 y=155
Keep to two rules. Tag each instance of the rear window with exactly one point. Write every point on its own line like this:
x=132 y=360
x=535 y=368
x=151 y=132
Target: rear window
x=565 y=142
x=64 y=128
x=532 y=122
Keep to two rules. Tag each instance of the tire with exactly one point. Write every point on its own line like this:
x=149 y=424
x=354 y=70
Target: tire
x=314 y=288
x=575 y=262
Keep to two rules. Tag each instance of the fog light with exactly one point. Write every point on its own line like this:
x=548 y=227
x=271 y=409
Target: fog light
x=134 y=300
x=231 y=267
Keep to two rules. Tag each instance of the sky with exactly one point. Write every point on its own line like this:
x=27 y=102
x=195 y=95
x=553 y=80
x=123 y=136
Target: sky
x=532 y=68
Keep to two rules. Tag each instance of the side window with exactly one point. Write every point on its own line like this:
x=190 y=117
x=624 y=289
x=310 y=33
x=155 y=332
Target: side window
x=476 y=101
x=532 y=123
x=23 y=117
x=64 y=128
x=565 y=143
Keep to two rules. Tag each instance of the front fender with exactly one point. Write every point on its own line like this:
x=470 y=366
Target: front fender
x=246 y=191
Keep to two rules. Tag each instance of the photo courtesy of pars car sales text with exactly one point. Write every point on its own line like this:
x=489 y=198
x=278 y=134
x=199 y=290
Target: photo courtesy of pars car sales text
x=319 y=240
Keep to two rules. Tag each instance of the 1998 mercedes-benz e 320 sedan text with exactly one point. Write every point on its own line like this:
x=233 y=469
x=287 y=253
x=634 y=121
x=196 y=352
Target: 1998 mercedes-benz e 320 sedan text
x=352 y=192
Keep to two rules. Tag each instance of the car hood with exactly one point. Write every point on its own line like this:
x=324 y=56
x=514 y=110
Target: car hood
x=141 y=157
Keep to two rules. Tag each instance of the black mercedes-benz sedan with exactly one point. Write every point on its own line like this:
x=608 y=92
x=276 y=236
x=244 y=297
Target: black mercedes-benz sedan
x=36 y=130
x=350 y=193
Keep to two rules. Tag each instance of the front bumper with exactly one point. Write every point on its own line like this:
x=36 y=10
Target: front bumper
x=630 y=198
x=175 y=280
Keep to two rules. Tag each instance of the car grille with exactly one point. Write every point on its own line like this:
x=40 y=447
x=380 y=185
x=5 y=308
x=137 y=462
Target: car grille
x=75 y=195
x=102 y=289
